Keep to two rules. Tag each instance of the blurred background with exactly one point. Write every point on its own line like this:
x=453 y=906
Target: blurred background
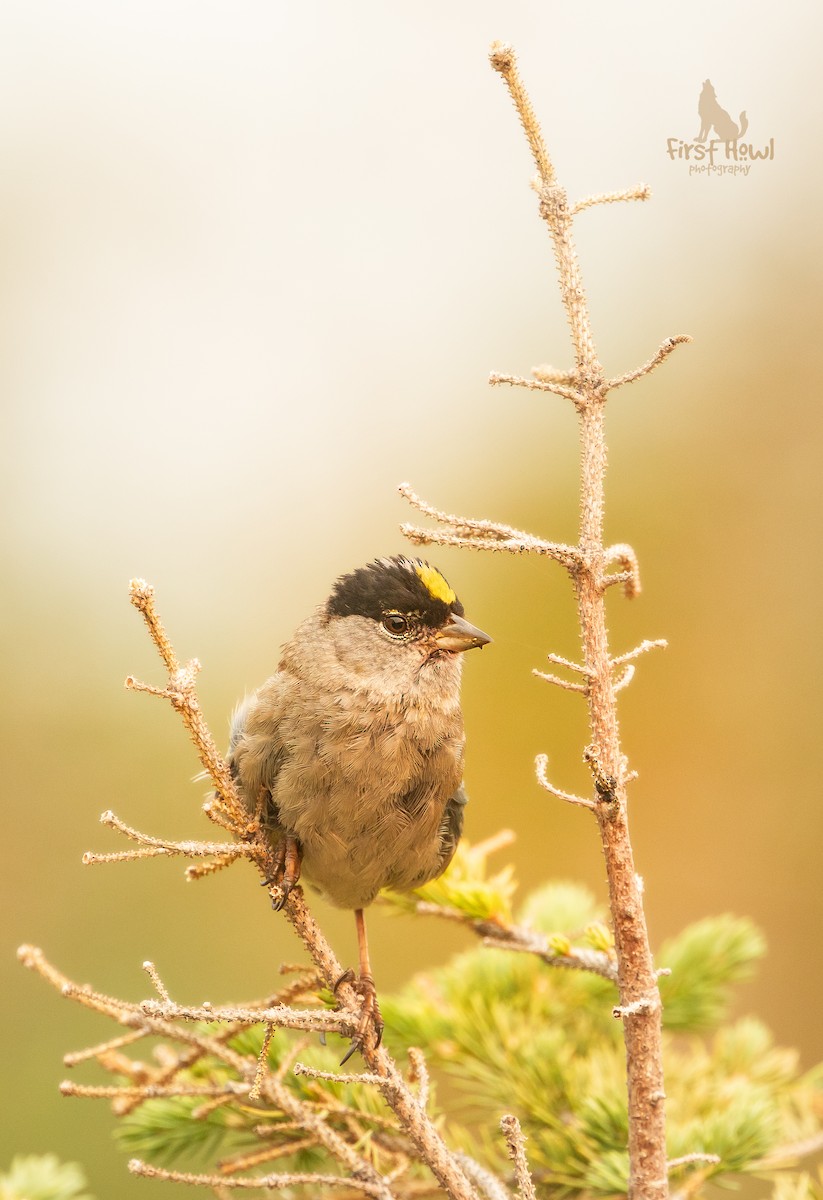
x=258 y=261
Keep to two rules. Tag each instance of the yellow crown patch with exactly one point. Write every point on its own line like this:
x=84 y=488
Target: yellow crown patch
x=434 y=583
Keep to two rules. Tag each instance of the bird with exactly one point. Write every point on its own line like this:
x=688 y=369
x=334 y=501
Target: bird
x=353 y=749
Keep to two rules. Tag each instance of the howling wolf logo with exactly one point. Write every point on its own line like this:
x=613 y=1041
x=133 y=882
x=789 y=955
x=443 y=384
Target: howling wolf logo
x=711 y=114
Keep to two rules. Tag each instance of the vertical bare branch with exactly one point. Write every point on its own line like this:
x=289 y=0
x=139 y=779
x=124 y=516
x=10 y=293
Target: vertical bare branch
x=639 y=997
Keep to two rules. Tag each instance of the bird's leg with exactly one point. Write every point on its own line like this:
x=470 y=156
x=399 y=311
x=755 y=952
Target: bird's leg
x=287 y=860
x=364 y=986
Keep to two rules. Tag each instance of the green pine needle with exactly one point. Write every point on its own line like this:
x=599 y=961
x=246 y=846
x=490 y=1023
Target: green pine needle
x=43 y=1177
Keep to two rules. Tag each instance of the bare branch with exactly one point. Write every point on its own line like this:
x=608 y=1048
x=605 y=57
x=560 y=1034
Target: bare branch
x=489 y=1184
x=662 y=352
x=500 y=936
x=481 y=535
x=102 y=1048
x=629 y=577
x=643 y=648
x=192 y=849
x=548 y=374
x=687 y=1159
x=282 y=1017
x=419 y=1074
x=624 y=680
x=537 y=385
x=276 y=1180
x=218 y=863
x=640 y=191
x=596 y=962
x=561 y=683
x=181 y=693
x=154 y=976
x=339 y=1076
x=150 y=1091
x=645 y=1004
x=637 y=979
x=516 y=1144
x=541 y=764
x=262 y=1063
x=246 y=1161
x=565 y=662
x=226 y=854
x=503 y=60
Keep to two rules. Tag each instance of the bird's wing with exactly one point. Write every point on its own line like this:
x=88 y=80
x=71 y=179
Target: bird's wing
x=256 y=748
x=451 y=827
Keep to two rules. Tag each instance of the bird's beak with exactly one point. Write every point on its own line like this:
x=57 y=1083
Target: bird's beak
x=458 y=634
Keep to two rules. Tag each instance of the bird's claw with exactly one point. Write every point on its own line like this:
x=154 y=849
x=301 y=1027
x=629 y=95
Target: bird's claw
x=287 y=862
x=371 y=1022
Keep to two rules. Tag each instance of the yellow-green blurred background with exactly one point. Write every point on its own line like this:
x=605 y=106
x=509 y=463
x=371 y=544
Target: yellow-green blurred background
x=257 y=261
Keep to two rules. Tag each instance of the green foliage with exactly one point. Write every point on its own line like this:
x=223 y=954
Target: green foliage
x=517 y=1035
x=511 y=1033
x=43 y=1177
x=705 y=960
x=187 y=1131
x=466 y=887
x=168 y=1130
x=798 y=1186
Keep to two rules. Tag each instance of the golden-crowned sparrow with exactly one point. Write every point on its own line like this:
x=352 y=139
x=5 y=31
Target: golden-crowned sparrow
x=355 y=744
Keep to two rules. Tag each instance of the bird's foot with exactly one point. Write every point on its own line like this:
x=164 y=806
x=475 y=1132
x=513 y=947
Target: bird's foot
x=288 y=858
x=371 y=1022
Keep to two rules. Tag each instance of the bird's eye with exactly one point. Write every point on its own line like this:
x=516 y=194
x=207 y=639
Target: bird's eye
x=396 y=624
